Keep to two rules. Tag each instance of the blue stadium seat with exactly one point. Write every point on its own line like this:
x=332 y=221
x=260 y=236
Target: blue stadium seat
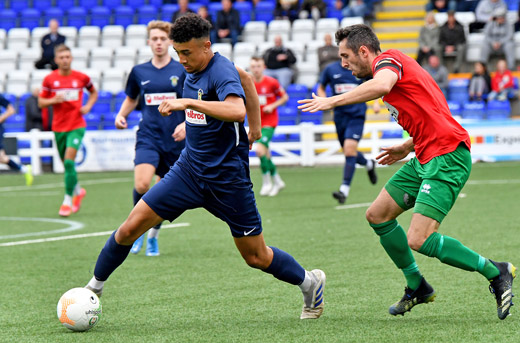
x=7 y=19
x=245 y=9
x=315 y=118
x=112 y=4
x=65 y=4
x=53 y=13
x=85 y=98
x=19 y=5
x=124 y=16
x=30 y=18
x=15 y=123
x=108 y=121
x=77 y=17
x=103 y=104
x=135 y=4
x=474 y=110
x=264 y=11
x=88 y=4
x=118 y=100
x=167 y=11
x=93 y=121
x=156 y=3
x=498 y=110
x=213 y=8
x=387 y=134
x=296 y=92
x=512 y=5
x=42 y=5
x=46 y=159
x=100 y=16
x=194 y=6
x=133 y=119
x=145 y=14
x=455 y=108
x=458 y=90
x=21 y=103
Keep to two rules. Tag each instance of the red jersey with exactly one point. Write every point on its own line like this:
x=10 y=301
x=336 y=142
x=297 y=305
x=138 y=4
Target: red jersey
x=66 y=116
x=418 y=105
x=269 y=90
x=499 y=82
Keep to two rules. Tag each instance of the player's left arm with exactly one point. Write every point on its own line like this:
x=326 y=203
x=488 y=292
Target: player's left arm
x=279 y=102
x=231 y=109
x=379 y=86
x=9 y=111
x=93 y=95
x=395 y=153
x=252 y=106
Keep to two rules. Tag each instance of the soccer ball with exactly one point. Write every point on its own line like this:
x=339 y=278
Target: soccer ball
x=79 y=309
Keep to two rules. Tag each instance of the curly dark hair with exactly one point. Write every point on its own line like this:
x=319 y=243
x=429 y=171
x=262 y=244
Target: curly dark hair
x=188 y=27
x=358 y=35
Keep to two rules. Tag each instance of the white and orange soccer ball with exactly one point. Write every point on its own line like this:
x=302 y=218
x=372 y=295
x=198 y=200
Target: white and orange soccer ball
x=79 y=309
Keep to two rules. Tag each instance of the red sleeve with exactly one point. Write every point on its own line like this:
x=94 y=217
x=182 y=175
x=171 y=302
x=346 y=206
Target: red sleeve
x=277 y=88
x=46 y=91
x=387 y=61
x=87 y=82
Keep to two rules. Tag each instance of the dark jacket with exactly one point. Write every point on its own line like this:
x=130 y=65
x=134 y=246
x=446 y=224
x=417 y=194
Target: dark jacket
x=48 y=44
x=33 y=114
x=177 y=14
x=228 y=20
x=453 y=36
x=272 y=63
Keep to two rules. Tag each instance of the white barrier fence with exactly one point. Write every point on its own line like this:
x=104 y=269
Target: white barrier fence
x=114 y=150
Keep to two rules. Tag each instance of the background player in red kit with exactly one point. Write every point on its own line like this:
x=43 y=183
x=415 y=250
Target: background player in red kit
x=271 y=95
x=429 y=182
x=63 y=90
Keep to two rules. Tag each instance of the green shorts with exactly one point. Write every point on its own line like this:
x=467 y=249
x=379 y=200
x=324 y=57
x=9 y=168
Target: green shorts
x=431 y=188
x=267 y=136
x=69 y=139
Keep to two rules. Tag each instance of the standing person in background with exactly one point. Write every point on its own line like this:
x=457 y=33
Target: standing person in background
x=48 y=43
x=313 y=9
x=439 y=73
x=8 y=110
x=183 y=10
x=271 y=96
x=63 y=90
x=428 y=38
x=430 y=182
x=228 y=22
x=159 y=140
x=349 y=121
x=327 y=53
x=279 y=62
x=452 y=41
x=33 y=114
x=203 y=12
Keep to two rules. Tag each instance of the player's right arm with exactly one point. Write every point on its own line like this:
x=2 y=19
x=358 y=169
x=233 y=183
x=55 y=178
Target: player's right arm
x=252 y=106
x=321 y=91
x=9 y=111
x=395 y=153
x=46 y=102
x=127 y=107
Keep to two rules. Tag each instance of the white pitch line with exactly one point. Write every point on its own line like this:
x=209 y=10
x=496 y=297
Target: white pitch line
x=72 y=226
x=85 y=235
x=346 y=207
x=60 y=184
x=491 y=182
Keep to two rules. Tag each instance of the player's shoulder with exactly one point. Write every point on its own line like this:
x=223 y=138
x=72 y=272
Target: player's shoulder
x=270 y=80
x=78 y=73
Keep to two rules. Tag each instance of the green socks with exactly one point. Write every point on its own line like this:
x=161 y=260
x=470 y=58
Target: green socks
x=450 y=251
x=267 y=165
x=71 y=178
x=394 y=241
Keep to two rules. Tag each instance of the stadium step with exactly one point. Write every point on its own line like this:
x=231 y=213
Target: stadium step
x=400 y=15
x=398 y=36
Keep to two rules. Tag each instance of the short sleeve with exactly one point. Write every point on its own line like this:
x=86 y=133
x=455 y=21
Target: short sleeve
x=390 y=63
x=324 y=77
x=226 y=80
x=46 y=90
x=4 y=102
x=132 y=89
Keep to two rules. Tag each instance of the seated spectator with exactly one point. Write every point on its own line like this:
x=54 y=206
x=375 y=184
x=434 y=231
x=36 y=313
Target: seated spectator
x=314 y=9
x=279 y=62
x=328 y=53
x=287 y=9
x=183 y=10
x=441 y=5
x=452 y=41
x=428 y=38
x=480 y=83
x=438 y=72
x=484 y=13
x=352 y=8
x=33 y=114
x=48 y=43
x=203 y=12
x=228 y=22
x=502 y=86
x=499 y=39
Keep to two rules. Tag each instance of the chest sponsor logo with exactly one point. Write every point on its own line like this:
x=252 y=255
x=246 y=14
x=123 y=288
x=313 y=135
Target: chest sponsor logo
x=195 y=117
x=341 y=88
x=154 y=99
x=69 y=95
x=262 y=99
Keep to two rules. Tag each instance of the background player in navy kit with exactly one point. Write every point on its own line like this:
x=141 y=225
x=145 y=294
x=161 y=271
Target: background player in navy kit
x=212 y=171
x=349 y=121
x=160 y=140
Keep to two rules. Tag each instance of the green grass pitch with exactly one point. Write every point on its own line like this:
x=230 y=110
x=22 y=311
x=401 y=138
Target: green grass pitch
x=200 y=290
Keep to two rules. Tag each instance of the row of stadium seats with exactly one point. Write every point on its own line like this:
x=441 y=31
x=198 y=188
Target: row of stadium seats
x=18 y=5
x=458 y=89
x=479 y=110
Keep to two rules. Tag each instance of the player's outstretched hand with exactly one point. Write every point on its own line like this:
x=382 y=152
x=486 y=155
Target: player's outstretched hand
x=120 y=122
x=168 y=106
x=317 y=103
x=392 y=154
x=180 y=132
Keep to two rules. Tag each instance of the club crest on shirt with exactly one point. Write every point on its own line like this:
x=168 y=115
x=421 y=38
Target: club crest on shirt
x=200 y=93
x=174 y=79
x=75 y=84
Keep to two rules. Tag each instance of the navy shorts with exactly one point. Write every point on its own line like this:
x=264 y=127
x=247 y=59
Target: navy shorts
x=180 y=190
x=348 y=127
x=146 y=152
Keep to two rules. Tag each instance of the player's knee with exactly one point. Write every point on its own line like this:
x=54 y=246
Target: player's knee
x=256 y=261
x=414 y=242
x=373 y=217
x=142 y=186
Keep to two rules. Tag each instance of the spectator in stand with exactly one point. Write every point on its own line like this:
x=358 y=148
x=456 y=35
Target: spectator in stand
x=228 y=22
x=438 y=72
x=314 y=9
x=203 y=12
x=499 y=38
x=48 y=43
x=327 y=53
x=480 y=83
x=33 y=114
x=428 y=38
x=287 y=9
x=183 y=10
x=441 y=5
x=352 y=8
x=484 y=13
x=279 y=62
x=452 y=41
x=502 y=86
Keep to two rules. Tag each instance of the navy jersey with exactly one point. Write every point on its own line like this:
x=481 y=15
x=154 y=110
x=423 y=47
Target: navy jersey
x=341 y=81
x=216 y=151
x=3 y=106
x=152 y=86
